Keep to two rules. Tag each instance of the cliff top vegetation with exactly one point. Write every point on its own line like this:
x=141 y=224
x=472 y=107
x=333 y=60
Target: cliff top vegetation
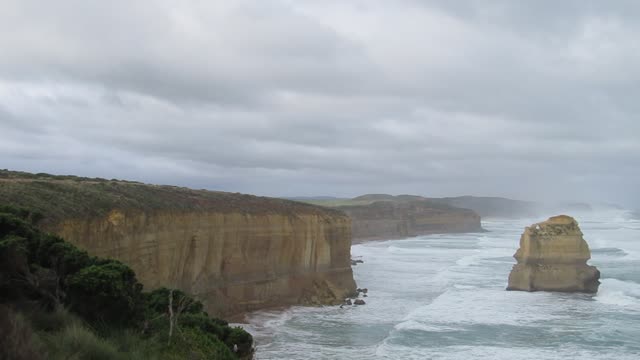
x=58 y=302
x=61 y=197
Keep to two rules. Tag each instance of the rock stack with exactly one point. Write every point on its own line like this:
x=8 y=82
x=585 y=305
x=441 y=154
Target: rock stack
x=553 y=256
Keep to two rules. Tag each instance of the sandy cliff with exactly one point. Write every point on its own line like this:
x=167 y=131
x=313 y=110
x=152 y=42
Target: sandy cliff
x=553 y=256
x=408 y=217
x=235 y=252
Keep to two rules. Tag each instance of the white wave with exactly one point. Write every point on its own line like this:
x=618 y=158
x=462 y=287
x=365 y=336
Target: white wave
x=485 y=306
x=413 y=325
x=623 y=294
x=386 y=351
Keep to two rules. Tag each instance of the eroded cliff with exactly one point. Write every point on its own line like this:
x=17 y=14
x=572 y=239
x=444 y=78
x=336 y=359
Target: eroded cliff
x=408 y=217
x=553 y=256
x=234 y=252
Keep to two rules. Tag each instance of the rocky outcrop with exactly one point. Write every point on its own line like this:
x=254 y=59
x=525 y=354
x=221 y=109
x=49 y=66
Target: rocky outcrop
x=553 y=256
x=404 y=218
x=234 y=252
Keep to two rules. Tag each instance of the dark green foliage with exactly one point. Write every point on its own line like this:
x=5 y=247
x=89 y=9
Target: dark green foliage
x=158 y=301
x=11 y=224
x=64 y=197
x=43 y=273
x=217 y=327
x=199 y=345
x=25 y=214
x=243 y=339
x=52 y=321
x=55 y=253
x=108 y=292
x=192 y=317
x=79 y=342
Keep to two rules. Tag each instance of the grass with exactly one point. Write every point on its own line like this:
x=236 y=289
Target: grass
x=17 y=338
x=64 y=197
x=78 y=342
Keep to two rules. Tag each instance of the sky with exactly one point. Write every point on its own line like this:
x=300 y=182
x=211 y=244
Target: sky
x=535 y=100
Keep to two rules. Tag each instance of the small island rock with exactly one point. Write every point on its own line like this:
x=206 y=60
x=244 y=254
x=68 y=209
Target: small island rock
x=553 y=256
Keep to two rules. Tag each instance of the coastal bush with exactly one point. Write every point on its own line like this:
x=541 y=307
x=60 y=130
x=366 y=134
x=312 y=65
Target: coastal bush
x=158 y=301
x=108 y=316
x=194 y=344
x=51 y=321
x=105 y=292
x=79 y=342
x=238 y=336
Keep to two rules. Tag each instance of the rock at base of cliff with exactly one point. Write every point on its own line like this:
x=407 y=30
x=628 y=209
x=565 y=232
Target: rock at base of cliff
x=561 y=278
x=359 y=302
x=553 y=256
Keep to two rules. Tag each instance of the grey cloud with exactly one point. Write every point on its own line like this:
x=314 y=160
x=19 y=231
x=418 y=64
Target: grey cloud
x=528 y=99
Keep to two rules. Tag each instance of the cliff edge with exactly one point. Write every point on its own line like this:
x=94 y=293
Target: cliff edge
x=234 y=252
x=389 y=217
x=553 y=256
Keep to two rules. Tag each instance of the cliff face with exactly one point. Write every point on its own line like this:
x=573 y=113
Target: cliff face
x=234 y=252
x=399 y=219
x=233 y=262
x=493 y=206
x=553 y=257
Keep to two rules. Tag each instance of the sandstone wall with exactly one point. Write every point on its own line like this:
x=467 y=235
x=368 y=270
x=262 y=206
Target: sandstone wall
x=553 y=256
x=400 y=219
x=233 y=262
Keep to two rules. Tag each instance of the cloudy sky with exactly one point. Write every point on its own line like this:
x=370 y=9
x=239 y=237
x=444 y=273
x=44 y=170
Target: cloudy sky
x=527 y=99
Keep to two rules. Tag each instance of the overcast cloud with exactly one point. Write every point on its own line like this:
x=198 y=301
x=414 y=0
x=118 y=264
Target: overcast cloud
x=526 y=99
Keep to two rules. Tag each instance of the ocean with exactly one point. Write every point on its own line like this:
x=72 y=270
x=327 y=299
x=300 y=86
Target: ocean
x=443 y=297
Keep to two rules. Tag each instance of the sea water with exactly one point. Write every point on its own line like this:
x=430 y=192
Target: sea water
x=443 y=297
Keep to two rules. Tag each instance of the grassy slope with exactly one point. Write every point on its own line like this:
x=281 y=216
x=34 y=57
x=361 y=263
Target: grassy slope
x=75 y=197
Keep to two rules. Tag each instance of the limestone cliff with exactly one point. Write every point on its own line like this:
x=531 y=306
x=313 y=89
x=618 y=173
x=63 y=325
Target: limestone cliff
x=234 y=252
x=408 y=217
x=493 y=207
x=553 y=256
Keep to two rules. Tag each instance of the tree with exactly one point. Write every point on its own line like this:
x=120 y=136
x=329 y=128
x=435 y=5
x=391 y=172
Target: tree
x=107 y=291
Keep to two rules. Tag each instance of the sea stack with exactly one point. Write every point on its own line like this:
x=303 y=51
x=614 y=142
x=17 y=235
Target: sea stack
x=553 y=256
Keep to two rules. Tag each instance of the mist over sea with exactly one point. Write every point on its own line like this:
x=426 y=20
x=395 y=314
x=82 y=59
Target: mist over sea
x=443 y=297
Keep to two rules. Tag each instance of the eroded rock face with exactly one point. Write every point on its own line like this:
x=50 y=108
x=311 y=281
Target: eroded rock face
x=400 y=219
x=235 y=252
x=553 y=256
x=232 y=262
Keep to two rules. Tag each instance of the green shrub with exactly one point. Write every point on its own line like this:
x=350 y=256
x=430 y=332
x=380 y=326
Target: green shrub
x=52 y=321
x=193 y=344
x=157 y=301
x=108 y=292
x=41 y=271
x=25 y=214
x=244 y=340
x=53 y=252
x=10 y=224
x=78 y=342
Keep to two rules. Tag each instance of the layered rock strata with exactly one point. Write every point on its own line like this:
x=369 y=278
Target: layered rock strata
x=553 y=256
x=400 y=219
x=234 y=252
